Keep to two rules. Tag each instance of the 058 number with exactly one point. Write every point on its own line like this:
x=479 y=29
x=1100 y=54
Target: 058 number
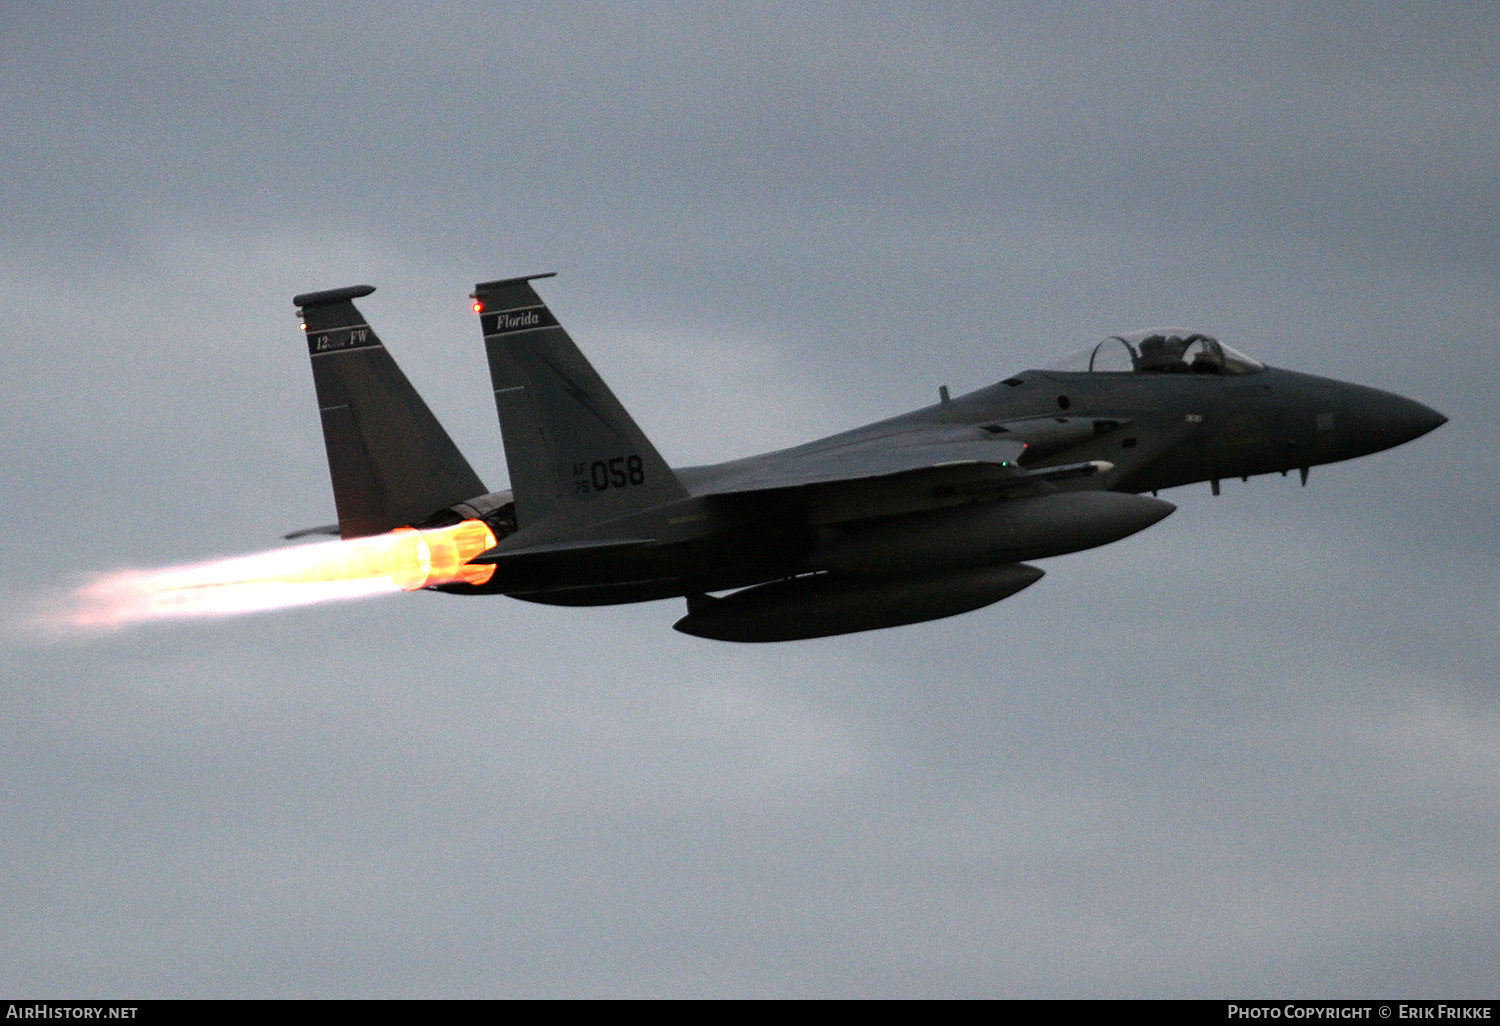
x=602 y=475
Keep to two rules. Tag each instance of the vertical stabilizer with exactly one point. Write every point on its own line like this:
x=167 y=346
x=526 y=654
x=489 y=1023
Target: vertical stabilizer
x=573 y=451
x=391 y=462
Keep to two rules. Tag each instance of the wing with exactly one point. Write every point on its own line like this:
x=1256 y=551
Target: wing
x=867 y=474
x=868 y=459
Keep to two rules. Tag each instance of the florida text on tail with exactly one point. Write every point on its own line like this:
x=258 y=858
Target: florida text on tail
x=925 y=515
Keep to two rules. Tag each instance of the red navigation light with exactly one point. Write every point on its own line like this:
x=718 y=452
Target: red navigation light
x=478 y=307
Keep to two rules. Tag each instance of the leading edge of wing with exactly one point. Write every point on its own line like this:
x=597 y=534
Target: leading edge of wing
x=863 y=460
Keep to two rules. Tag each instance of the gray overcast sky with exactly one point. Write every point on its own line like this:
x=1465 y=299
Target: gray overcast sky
x=1254 y=750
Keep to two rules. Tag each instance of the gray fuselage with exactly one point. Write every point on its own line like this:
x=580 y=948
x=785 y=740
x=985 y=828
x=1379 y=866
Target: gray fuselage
x=1153 y=431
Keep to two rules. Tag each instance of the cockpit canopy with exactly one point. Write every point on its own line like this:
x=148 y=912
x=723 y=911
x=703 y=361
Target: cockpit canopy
x=1160 y=351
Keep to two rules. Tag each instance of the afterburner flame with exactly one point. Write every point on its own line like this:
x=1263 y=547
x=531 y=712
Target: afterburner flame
x=403 y=560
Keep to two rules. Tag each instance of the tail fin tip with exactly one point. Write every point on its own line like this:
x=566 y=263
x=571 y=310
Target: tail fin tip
x=489 y=286
x=330 y=296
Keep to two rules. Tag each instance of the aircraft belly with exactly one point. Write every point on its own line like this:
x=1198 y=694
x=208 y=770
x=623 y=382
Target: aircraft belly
x=988 y=533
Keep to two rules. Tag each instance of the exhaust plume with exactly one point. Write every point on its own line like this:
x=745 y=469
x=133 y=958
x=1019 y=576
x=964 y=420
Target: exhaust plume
x=403 y=560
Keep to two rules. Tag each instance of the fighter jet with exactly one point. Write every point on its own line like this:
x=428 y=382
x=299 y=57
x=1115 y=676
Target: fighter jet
x=925 y=515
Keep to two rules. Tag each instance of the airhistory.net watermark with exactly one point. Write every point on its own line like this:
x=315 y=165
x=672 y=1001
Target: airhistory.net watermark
x=47 y=1010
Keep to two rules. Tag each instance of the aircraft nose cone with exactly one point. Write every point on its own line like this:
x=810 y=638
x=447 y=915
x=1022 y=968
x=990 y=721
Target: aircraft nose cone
x=1406 y=419
x=1378 y=420
x=1425 y=419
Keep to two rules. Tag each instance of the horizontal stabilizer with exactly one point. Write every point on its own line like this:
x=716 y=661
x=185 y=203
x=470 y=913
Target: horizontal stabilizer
x=307 y=532
x=501 y=555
